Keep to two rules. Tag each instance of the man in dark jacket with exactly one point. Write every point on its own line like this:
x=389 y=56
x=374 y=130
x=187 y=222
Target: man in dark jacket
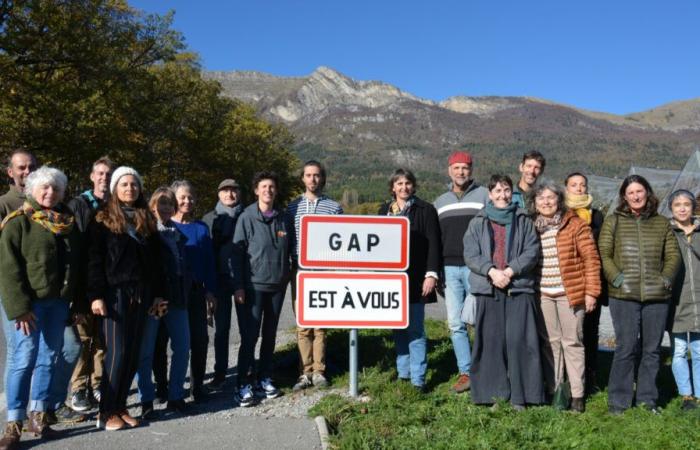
x=87 y=375
x=222 y=223
x=456 y=208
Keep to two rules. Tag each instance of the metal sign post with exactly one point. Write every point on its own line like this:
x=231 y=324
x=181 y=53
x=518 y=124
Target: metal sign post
x=353 y=362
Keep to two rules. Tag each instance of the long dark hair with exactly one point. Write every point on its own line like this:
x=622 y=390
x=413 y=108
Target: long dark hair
x=114 y=219
x=652 y=201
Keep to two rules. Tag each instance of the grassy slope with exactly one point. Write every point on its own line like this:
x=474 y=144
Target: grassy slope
x=398 y=418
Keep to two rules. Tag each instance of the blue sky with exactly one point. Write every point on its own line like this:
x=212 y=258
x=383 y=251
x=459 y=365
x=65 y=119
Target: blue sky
x=617 y=56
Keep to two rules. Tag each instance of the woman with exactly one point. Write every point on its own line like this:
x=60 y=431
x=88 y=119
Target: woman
x=124 y=281
x=685 y=331
x=39 y=251
x=261 y=245
x=425 y=261
x=640 y=258
x=201 y=303
x=569 y=283
x=501 y=249
x=580 y=202
x=163 y=205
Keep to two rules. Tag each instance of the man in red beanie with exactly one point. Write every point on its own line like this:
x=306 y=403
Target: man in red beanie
x=456 y=208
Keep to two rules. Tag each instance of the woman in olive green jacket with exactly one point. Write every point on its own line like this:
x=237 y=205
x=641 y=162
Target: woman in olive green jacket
x=640 y=259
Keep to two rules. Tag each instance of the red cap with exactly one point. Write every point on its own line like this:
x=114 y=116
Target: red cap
x=459 y=157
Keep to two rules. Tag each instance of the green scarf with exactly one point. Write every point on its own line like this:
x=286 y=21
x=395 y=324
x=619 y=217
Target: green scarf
x=502 y=216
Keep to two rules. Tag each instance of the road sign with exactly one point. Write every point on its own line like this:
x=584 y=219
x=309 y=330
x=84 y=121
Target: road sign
x=352 y=300
x=354 y=242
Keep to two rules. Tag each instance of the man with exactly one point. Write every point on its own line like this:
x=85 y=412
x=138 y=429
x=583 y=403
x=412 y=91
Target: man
x=222 y=223
x=456 y=208
x=87 y=376
x=530 y=168
x=311 y=341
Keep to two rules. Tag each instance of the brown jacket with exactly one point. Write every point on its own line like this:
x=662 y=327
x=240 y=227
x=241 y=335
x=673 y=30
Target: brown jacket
x=579 y=262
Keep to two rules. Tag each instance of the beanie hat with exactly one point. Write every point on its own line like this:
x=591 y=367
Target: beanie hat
x=120 y=172
x=459 y=157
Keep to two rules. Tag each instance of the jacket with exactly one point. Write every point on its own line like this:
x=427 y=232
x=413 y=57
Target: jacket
x=579 y=262
x=425 y=252
x=522 y=254
x=117 y=258
x=262 y=249
x=84 y=208
x=640 y=256
x=178 y=279
x=686 y=287
x=36 y=264
x=454 y=214
x=10 y=201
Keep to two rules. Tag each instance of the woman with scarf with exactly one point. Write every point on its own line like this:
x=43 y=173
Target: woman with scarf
x=569 y=283
x=174 y=318
x=261 y=263
x=640 y=258
x=39 y=257
x=124 y=282
x=201 y=302
x=425 y=261
x=685 y=330
x=501 y=248
x=580 y=202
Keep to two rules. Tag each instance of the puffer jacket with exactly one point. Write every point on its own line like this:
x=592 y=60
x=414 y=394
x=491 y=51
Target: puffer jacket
x=640 y=256
x=686 y=288
x=579 y=263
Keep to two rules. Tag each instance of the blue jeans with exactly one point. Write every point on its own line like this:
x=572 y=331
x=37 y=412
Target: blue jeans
x=456 y=289
x=177 y=323
x=66 y=360
x=31 y=364
x=681 y=343
x=411 y=357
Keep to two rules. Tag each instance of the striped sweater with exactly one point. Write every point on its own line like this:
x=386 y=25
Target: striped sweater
x=302 y=206
x=551 y=284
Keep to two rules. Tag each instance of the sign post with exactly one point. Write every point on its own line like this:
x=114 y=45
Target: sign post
x=349 y=291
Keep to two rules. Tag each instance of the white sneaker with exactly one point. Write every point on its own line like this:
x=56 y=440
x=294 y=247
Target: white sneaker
x=245 y=396
x=319 y=380
x=303 y=382
x=267 y=389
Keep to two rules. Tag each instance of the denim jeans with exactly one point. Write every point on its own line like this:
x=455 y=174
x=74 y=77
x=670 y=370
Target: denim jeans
x=177 y=323
x=66 y=360
x=31 y=364
x=681 y=342
x=456 y=289
x=411 y=356
x=261 y=311
x=639 y=327
x=222 y=321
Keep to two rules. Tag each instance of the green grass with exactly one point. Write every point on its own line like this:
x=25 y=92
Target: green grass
x=396 y=417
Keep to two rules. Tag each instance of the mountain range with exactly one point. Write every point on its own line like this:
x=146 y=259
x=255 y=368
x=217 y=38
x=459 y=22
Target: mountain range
x=364 y=129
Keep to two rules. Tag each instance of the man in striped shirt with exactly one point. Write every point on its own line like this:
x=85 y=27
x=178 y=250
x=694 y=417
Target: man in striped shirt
x=456 y=208
x=311 y=341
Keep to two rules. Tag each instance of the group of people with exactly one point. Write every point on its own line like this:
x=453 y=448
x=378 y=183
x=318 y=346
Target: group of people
x=93 y=289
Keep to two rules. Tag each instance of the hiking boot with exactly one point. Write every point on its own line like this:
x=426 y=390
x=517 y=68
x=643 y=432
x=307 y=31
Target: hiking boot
x=114 y=422
x=578 y=405
x=178 y=406
x=303 y=382
x=217 y=383
x=79 y=401
x=319 y=380
x=128 y=420
x=245 y=396
x=147 y=411
x=462 y=385
x=11 y=436
x=64 y=414
x=688 y=403
x=267 y=389
x=38 y=425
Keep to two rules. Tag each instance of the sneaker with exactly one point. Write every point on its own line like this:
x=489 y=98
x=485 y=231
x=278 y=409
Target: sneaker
x=114 y=423
x=11 y=436
x=217 y=383
x=128 y=420
x=199 y=395
x=319 y=380
x=79 y=401
x=64 y=414
x=267 y=389
x=518 y=407
x=615 y=410
x=96 y=396
x=462 y=385
x=420 y=388
x=688 y=403
x=245 y=396
x=303 y=382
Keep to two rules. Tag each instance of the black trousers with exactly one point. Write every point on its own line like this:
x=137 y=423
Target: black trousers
x=591 y=333
x=199 y=337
